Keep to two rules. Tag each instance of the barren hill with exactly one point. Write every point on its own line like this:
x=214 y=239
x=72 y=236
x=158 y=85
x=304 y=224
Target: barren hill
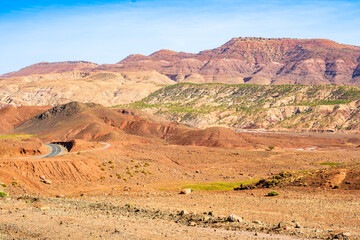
x=56 y=67
x=92 y=121
x=103 y=87
x=11 y=116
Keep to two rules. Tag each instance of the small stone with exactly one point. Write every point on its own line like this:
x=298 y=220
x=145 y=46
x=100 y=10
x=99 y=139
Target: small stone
x=185 y=191
x=282 y=225
x=184 y=212
x=257 y=222
x=42 y=177
x=297 y=225
x=47 y=181
x=60 y=196
x=193 y=224
x=342 y=235
x=234 y=218
x=42 y=206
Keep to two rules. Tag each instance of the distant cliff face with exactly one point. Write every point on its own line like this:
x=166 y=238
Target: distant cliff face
x=259 y=60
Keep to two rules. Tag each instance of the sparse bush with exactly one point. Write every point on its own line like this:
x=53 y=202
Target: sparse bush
x=112 y=167
x=3 y=194
x=271 y=147
x=146 y=164
x=129 y=205
x=333 y=164
x=130 y=173
x=336 y=187
x=110 y=162
x=14 y=183
x=137 y=166
x=4 y=185
x=273 y=193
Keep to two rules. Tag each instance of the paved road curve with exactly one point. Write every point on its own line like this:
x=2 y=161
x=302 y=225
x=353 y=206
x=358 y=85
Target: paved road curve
x=55 y=150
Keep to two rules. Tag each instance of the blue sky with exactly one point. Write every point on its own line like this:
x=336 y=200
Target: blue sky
x=107 y=31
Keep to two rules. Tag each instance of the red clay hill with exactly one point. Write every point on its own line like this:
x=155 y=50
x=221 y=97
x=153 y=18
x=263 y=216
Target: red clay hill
x=10 y=117
x=241 y=60
x=93 y=122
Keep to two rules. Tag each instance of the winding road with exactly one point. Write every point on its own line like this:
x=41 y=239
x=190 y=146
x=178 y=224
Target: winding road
x=55 y=150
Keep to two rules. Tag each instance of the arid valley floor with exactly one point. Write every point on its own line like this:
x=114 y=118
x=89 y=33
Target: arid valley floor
x=130 y=190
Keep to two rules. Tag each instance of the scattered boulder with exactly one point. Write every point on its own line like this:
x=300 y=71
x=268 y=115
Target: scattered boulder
x=42 y=177
x=185 y=191
x=342 y=235
x=192 y=224
x=183 y=212
x=234 y=218
x=47 y=181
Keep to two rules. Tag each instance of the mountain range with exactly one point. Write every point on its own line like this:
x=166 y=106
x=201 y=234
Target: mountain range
x=264 y=61
x=249 y=60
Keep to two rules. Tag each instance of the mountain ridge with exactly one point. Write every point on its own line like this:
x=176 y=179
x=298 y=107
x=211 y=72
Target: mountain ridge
x=240 y=60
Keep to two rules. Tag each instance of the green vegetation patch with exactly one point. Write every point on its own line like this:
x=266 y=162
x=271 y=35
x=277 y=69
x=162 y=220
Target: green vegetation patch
x=218 y=186
x=333 y=164
x=3 y=194
x=273 y=193
x=17 y=136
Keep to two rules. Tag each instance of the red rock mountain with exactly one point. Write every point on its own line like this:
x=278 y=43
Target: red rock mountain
x=241 y=60
x=260 y=60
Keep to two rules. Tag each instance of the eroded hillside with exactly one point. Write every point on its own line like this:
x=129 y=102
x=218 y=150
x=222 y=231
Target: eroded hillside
x=285 y=107
x=103 y=87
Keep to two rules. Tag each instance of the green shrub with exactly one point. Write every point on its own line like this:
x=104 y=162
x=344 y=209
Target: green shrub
x=333 y=164
x=273 y=193
x=3 y=194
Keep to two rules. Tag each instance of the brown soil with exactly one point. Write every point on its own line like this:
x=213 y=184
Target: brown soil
x=21 y=147
x=140 y=162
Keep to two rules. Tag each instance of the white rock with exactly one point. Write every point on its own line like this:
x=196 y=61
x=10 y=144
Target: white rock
x=234 y=218
x=185 y=191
